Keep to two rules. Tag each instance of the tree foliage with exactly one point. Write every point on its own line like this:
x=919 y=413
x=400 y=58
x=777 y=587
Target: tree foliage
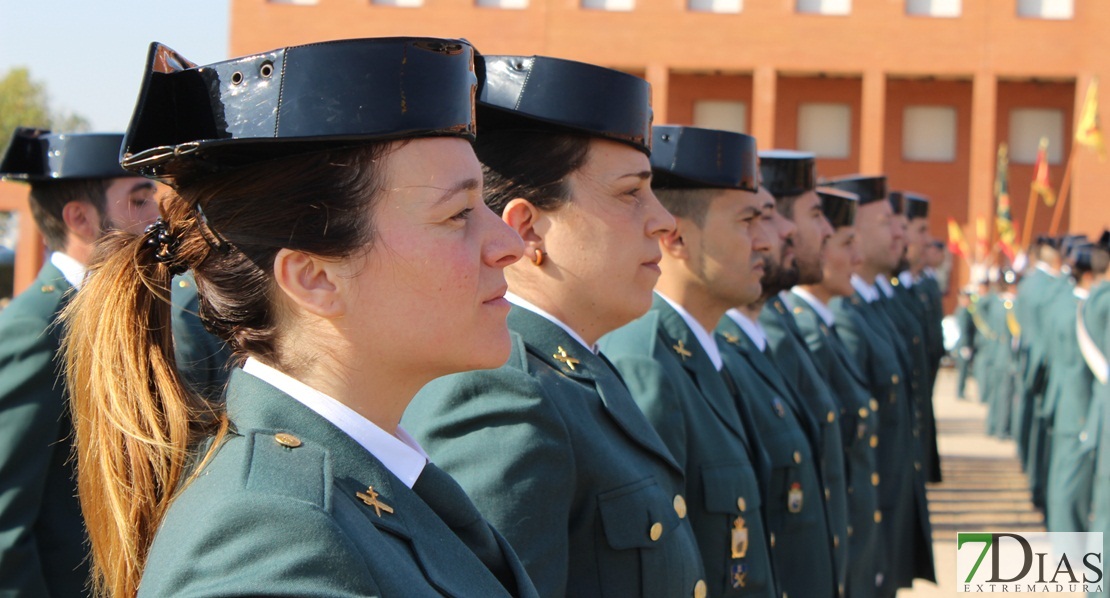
x=24 y=102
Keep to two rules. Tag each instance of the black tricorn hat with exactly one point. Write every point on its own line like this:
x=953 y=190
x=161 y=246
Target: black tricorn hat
x=294 y=100
x=787 y=173
x=868 y=188
x=839 y=206
x=39 y=155
x=693 y=158
x=910 y=204
x=529 y=92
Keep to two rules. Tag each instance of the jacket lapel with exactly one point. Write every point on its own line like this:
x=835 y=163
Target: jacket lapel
x=562 y=353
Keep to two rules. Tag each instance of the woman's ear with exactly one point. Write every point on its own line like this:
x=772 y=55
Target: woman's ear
x=528 y=222
x=313 y=283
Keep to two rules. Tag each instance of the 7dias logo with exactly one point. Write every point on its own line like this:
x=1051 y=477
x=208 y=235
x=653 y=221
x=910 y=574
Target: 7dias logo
x=1038 y=562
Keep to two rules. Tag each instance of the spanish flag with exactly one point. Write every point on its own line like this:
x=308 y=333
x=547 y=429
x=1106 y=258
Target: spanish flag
x=1088 y=132
x=1041 y=185
x=1002 y=218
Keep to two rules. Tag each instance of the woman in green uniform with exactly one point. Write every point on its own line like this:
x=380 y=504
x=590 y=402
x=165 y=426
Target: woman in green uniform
x=328 y=203
x=552 y=447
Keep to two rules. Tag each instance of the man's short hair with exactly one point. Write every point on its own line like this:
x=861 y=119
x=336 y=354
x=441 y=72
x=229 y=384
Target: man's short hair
x=785 y=205
x=49 y=198
x=689 y=204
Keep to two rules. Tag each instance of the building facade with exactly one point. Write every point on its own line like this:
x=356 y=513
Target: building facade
x=922 y=90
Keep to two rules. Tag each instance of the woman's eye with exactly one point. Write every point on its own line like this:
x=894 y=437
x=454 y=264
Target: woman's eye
x=463 y=215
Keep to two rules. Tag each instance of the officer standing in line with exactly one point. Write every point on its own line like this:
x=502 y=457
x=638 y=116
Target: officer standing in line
x=712 y=260
x=78 y=193
x=916 y=303
x=1096 y=322
x=964 y=351
x=790 y=177
x=873 y=340
x=1071 y=465
x=866 y=554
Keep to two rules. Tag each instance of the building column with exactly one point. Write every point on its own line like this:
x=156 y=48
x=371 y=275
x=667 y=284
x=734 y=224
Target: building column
x=660 y=78
x=872 y=122
x=984 y=152
x=764 y=92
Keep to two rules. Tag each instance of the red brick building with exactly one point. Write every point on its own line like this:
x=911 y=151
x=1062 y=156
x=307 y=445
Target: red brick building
x=922 y=90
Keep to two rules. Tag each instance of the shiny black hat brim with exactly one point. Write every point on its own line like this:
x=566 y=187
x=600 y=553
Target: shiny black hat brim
x=693 y=158
x=39 y=155
x=192 y=119
x=788 y=174
x=838 y=206
x=868 y=188
x=527 y=92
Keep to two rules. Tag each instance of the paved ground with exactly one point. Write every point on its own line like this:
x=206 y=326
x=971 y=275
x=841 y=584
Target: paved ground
x=983 y=488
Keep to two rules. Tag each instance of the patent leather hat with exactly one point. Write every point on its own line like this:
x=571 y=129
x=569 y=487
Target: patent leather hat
x=193 y=119
x=787 y=173
x=692 y=158
x=839 y=206
x=39 y=155
x=868 y=188
x=539 y=92
x=910 y=204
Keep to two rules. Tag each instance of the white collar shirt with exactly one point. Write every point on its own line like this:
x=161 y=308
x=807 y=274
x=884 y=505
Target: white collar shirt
x=72 y=270
x=752 y=329
x=523 y=303
x=883 y=284
x=817 y=305
x=401 y=453
x=869 y=293
x=703 y=337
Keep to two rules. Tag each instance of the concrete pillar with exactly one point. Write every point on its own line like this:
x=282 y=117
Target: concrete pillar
x=984 y=149
x=872 y=119
x=764 y=88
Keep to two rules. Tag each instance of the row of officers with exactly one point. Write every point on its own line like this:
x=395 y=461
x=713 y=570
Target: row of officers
x=1037 y=346
x=463 y=325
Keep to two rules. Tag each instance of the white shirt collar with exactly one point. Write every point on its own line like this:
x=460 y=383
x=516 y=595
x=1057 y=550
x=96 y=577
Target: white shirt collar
x=400 y=454
x=869 y=293
x=931 y=272
x=72 y=270
x=1043 y=267
x=752 y=329
x=907 y=279
x=817 y=305
x=1081 y=293
x=704 y=339
x=881 y=282
x=523 y=303
x=787 y=299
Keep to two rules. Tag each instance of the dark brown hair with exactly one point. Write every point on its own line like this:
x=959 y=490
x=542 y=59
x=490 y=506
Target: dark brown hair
x=533 y=165
x=137 y=424
x=49 y=198
x=688 y=204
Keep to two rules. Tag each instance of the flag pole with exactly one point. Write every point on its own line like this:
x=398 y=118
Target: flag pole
x=1062 y=197
x=1030 y=213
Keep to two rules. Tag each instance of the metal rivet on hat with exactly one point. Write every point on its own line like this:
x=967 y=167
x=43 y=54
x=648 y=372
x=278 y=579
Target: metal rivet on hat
x=266 y=70
x=236 y=78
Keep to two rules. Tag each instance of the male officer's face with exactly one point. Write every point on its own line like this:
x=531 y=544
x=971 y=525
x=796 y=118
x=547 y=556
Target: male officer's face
x=917 y=236
x=811 y=237
x=880 y=235
x=725 y=254
x=130 y=206
x=780 y=271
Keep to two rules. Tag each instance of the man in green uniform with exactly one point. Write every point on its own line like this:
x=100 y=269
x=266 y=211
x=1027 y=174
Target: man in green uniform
x=78 y=192
x=1095 y=438
x=1068 y=398
x=790 y=177
x=672 y=365
x=869 y=333
x=859 y=417
x=964 y=351
x=917 y=303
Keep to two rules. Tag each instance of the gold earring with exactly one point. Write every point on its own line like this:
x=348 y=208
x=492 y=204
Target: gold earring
x=537 y=259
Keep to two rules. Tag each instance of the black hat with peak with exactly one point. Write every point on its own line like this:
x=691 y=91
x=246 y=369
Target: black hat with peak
x=39 y=155
x=691 y=158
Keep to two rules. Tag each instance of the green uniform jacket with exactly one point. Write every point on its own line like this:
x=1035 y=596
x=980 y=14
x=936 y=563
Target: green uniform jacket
x=860 y=420
x=263 y=518
x=1068 y=396
x=201 y=357
x=687 y=401
x=1032 y=292
x=964 y=351
x=903 y=508
x=804 y=545
x=42 y=535
x=563 y=462
x=916 y=311
x=792 y=358
x=1096 y=315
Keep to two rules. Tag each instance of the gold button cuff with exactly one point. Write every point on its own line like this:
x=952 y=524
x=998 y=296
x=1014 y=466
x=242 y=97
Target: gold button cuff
x=874 y=479
x=742 y=504
x=797 y=457
x=699 y=589
x=287 y=440
x=680 y=506
x=656 y=532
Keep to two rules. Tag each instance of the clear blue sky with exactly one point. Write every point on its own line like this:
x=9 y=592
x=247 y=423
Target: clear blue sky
x=91 y=54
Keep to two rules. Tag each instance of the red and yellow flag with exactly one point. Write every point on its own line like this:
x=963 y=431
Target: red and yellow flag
x=1089 y=132
x=1002 y=218
x=957 y=244
x=1041 y=184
